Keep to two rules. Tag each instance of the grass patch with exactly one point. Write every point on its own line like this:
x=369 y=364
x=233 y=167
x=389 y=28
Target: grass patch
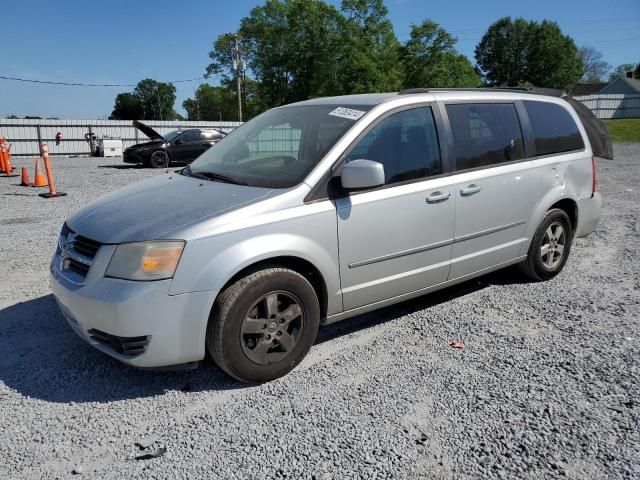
x=624 y=129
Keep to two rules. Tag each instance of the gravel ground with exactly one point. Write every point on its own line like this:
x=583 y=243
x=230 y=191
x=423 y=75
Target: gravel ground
x=548 y=383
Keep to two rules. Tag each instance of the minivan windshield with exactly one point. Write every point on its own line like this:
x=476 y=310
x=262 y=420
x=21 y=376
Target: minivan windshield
x=278 y=148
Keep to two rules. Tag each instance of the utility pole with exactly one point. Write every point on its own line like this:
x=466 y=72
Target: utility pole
x=197 y=97
x=238 y=66
x=159 y=106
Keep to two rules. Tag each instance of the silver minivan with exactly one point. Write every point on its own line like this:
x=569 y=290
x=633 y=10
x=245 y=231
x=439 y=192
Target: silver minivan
x=321 y=210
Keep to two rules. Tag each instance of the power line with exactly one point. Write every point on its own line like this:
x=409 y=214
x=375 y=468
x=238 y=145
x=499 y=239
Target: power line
x=76 y=84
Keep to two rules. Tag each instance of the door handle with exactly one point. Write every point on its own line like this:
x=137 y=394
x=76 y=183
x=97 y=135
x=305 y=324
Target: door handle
x=437 y=197
x=470 y=190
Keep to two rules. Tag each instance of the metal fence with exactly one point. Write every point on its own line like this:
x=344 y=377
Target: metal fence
x=25 y=136
x=612 y=106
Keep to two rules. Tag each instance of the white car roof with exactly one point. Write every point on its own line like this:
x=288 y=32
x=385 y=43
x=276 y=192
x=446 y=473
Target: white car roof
x=372 y=99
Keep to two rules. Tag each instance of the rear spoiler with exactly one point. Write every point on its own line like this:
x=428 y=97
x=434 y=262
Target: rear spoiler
x=596 y=129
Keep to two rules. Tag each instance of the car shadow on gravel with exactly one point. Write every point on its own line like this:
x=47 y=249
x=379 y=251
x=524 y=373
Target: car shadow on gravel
x=41 y=357
x=506 y=276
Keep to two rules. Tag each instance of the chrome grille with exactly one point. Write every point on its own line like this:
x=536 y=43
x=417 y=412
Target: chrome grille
x=75 y=254
x=86 y=247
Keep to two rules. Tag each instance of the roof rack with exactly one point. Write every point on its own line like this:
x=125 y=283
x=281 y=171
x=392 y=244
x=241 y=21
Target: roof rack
x=553 y=92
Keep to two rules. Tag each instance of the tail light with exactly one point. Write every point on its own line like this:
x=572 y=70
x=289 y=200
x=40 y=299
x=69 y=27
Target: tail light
x=593 y=175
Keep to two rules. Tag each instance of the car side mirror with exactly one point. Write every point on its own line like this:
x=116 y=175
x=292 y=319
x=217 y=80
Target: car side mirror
x=177 y=141
x=360 y=174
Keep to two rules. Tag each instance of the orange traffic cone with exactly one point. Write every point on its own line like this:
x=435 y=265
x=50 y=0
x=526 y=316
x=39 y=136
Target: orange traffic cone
x=38 y=179
x=25 y=178
x=8 y=169
x=47 y=166
x=3 y=143
x=3 y=156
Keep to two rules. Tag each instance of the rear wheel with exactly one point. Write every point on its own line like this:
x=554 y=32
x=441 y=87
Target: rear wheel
x=263 y=325
x=159 y=159
x=550 y=246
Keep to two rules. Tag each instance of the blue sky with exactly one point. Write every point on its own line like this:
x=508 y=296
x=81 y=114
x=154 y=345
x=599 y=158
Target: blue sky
x=124 y=42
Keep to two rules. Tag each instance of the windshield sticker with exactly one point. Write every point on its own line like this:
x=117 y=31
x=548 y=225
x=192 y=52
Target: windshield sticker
x=343 y=112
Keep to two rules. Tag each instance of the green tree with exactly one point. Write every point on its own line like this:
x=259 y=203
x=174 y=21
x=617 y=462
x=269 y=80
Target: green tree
x=127 y=107
x=553 y=57
x=289 y=46
x=502 y=52
x=252 y=103
x=219 y=102
x=222 y=57
x=431 y=60
x=211 y=103
x=369 y=56
x=517 y=52
x=150 y=100
x=157 y=99
x=621 y=71
x=300 y=49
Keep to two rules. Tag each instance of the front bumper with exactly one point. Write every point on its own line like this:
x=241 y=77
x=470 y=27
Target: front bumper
x=588 y=215
x=174 y=326
x=132 y=157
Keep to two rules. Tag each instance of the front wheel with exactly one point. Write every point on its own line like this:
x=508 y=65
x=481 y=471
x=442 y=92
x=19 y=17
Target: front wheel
x=159 y=159
x=550 y=246
x=263 y=325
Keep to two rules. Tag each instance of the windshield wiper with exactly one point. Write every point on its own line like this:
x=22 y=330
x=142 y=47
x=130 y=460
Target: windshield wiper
x=186 y=171
x=211 y=176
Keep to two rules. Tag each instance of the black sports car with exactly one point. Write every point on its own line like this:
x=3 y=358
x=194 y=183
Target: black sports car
x=178 y=146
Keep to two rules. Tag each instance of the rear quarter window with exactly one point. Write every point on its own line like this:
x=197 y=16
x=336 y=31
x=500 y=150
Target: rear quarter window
x=554 y=129
x=209 y=135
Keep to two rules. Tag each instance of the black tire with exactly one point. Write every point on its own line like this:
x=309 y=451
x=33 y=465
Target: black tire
x=544 y=266
x=245 y=306
x=159 y=159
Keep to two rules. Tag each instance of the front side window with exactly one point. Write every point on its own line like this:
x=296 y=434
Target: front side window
x=485 y=134
x=280 y=147
x=191 y=137
x=554 y=129
x=405 y=143
x=168 y=137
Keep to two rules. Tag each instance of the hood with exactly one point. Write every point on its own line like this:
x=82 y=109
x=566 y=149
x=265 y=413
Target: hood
x=151 y=143
x=147 y=130
x=151 y=209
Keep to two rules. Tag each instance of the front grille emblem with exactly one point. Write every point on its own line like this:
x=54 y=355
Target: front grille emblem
x=65 y=247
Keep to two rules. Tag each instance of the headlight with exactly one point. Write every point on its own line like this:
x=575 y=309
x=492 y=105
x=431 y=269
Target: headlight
x=145 y=260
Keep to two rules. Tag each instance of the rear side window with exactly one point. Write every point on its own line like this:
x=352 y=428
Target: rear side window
x=553 y=127
x=485 y=134
x=209 y=135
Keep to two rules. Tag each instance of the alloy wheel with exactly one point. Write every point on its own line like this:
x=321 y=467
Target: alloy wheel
x=553 y=245
x=272 y=327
